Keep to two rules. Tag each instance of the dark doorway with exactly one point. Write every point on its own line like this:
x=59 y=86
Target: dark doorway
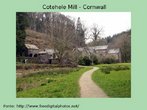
x=49 y=61
x=35 y=55
x=30 y=55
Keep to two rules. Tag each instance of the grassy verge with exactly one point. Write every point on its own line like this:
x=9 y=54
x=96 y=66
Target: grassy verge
x=114 y=79
x=55 y=83
x=30 y=68
x=22 y=66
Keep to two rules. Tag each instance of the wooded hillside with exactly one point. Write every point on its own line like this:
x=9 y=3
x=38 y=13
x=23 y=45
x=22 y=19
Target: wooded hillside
x=41 y=40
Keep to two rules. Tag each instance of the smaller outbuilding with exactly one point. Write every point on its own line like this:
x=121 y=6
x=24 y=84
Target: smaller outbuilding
x=32 y=50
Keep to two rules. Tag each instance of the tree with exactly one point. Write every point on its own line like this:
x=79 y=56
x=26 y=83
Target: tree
x=80 y=33
x=123 y=42
x=96 y=32
x=126 y=48
x=63 y=40
x=61 y=31
x=21 y=23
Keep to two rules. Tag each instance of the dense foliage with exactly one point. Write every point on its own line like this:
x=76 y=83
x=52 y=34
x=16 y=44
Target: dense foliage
x=21 y=23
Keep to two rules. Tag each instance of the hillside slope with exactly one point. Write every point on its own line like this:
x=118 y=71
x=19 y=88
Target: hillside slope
x=41 y=40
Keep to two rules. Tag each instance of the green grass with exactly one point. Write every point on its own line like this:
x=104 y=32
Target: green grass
x=117 y=83
x=55 y=83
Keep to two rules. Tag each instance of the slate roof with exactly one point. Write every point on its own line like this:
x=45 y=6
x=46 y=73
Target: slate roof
x=31 y=46
x=42 y=52
x=99 y=47
x=47 y=51
x=113 y=51
x=94 y=48
x=50 y=51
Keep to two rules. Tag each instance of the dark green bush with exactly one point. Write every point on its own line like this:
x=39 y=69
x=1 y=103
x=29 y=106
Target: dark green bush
x=85 y=61
x=95 y=60
x=125 y=68
x=43 y=84
x=109 y=60
x=106 y=69
x=81 y=61
x=118 y=68
x=50 y=80
x=19 y=89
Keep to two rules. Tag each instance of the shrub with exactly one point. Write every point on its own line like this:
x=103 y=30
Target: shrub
x=109 y=60
x=84 y=61
x=43 y=84
x=125 y=68
x=95 y=60
x=117 y=68
x=106 y=70
x=87 y=61
x=50 y=80
x=19 y=89
x=81 y=62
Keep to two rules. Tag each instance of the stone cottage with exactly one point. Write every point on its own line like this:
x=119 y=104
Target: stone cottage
x=32 y=50
x=47 y=56
x=100 y=51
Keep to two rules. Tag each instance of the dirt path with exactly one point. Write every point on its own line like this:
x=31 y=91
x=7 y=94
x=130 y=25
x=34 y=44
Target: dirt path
x=88 y=88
